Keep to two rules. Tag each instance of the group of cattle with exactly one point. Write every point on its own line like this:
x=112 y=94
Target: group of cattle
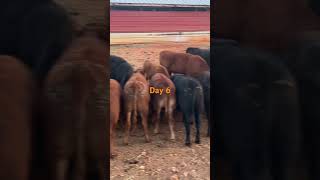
x=53 y=101
x=266 y=110
x=181 y=82
x=266 y=104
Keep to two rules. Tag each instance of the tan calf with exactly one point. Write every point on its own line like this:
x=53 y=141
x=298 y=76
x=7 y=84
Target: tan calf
x=166 y=100
x=150 y=69
x=137 y=97
x=115 y=95
x=76 y=108
x=183 y=63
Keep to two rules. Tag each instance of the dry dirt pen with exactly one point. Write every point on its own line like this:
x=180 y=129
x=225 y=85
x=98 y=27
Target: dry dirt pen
x=161 y=159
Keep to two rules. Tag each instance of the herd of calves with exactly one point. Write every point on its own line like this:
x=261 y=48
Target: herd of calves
x=150 y=89
x=56 y=130
x=53 y=94
x=266 y=111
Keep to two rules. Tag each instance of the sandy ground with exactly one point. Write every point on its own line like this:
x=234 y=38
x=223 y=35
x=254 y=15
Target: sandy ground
x=136 y=54
x=162 y=158
x=129 y=38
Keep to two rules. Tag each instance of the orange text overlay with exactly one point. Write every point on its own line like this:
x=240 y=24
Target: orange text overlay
x=160 y=91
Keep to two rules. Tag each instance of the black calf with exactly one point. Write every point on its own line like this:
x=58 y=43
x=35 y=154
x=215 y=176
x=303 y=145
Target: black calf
x=303 y=60
x=189 y=96
x=204 y=53
x=256 y=115
x=121 y=70
x=204 y=79
x=37 y=32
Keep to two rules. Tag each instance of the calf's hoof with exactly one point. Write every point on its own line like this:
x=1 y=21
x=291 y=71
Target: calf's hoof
x=172 y=137
x=156 y=131
x=133 y=132
x=125 y=142
x=148 y=140
x=188 y=144
x=113 y=155
x=197 y=141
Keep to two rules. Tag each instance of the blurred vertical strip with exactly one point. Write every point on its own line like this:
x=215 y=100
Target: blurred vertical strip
x=315 y=6
x=93 y=16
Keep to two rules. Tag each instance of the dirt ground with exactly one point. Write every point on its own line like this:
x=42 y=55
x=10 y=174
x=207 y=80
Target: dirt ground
x=136 y=54
x=162 y=158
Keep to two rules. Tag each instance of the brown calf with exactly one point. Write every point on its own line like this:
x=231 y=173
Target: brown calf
x=137 y=97
x=16 y=95
x=141 y=71
x=166 y=100
x=115 y=95
x=183 y=63
x=150 y=69
x=75 y=102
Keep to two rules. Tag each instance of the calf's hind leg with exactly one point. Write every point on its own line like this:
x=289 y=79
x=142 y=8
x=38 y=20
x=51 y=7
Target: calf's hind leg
x=144 y=119
x=112 y=136
x=198 y=125
x=156 y=120
x=186 y=120
x=128 y=125
x=171 y=124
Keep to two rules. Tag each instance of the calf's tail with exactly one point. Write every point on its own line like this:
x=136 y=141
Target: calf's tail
x=198 y=100
x=134 y=108
x=167 y=106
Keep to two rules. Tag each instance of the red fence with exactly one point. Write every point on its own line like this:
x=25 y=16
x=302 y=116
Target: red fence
x=158 y=21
